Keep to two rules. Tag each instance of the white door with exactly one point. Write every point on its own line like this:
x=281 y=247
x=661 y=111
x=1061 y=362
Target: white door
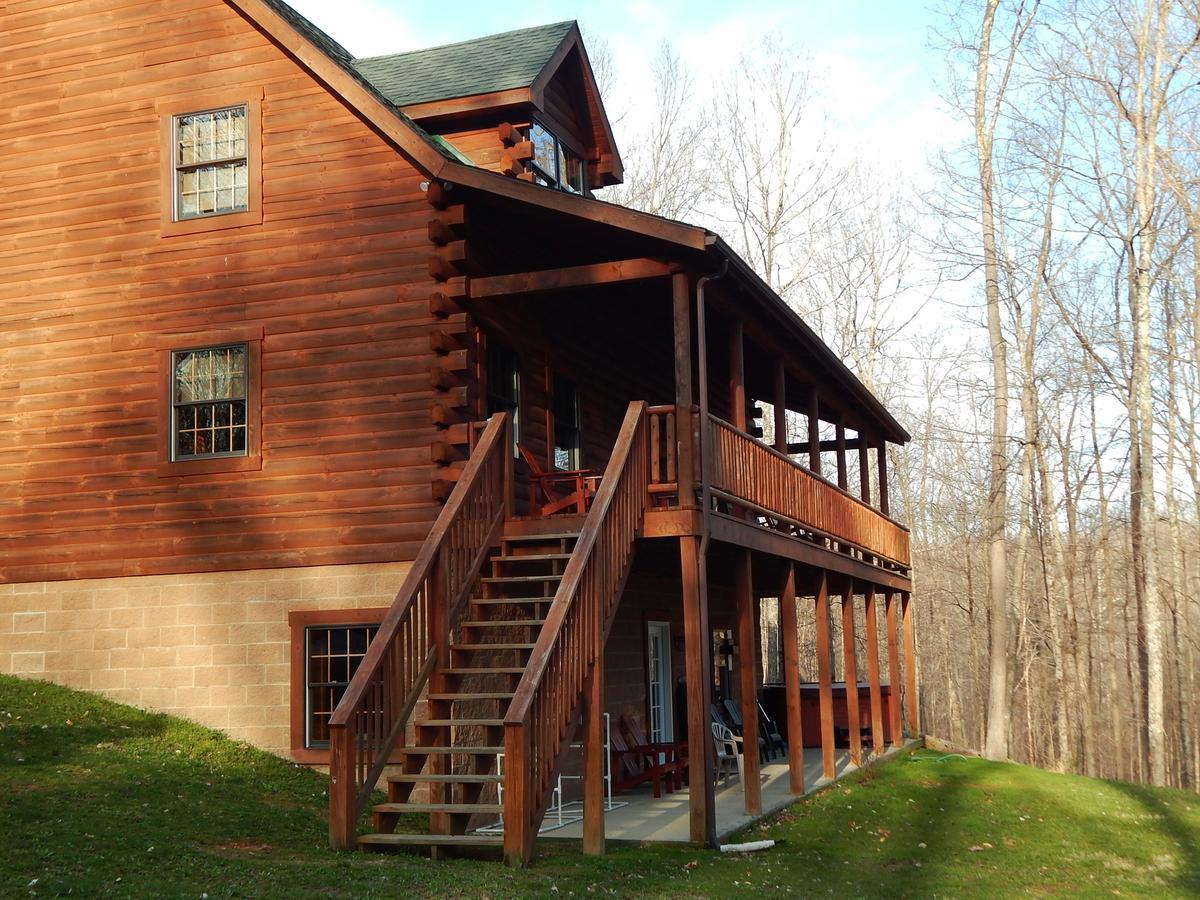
x=658 y=650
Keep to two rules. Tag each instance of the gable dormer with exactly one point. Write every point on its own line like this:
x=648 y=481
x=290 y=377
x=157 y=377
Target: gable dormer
x=524 y=103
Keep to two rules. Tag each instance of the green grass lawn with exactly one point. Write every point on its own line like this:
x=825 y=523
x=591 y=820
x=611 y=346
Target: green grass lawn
x=98 y=799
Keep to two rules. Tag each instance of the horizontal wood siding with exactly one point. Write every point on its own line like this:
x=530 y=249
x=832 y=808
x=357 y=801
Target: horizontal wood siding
x=335 y=276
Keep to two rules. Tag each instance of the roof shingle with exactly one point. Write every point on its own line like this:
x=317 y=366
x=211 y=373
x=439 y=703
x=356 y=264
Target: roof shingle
x=496 y=62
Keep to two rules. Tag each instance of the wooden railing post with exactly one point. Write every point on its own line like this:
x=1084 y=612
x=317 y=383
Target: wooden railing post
x=343 y=827
x=593 y=762
x=516 y=795
x=702 y=816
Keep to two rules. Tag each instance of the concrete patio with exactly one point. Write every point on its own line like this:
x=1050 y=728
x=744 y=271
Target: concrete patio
x=644 y=818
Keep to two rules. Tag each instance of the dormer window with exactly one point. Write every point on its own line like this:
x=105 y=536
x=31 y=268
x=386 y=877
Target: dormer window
x=554 y=164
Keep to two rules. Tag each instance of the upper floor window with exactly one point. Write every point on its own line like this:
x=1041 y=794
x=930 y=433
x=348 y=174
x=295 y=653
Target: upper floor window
x=555 y=164
x=208 y=402
x=212 y=171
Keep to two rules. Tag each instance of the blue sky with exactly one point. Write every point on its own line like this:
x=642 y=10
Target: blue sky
x=871 y=59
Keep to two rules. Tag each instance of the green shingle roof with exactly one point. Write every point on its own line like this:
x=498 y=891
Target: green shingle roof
x=497 y=62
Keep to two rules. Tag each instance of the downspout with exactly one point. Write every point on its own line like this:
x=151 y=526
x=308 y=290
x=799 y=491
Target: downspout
x=705 y=431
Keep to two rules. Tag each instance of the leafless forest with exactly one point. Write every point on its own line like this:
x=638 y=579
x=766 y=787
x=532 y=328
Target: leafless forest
x=1028 y=306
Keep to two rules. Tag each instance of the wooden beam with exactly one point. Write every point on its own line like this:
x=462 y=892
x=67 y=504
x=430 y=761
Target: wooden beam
x=702 y=813
x=825 y=446
x=814 y=431
x=864 y=470
x=824 y=678
x=840 y=447
x=910 y=667
x=850 y=672
x=780 y=404
x=883 y=477
x=737 y=376
x=791 y=680
x=893 y=645
x=871 y=621
x=681 y=305
x=748 y=675
x=593 y=761
x=566 y=278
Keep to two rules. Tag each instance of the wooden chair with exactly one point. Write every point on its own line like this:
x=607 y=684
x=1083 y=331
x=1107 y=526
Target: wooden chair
x=555 y=491
x=632 y=766
x=673 y=753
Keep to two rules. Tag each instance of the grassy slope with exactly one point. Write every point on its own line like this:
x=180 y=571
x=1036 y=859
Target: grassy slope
x=101 y=799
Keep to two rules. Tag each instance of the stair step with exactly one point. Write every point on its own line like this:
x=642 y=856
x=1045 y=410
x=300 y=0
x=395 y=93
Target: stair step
x=443 y=723
x=429 y=840
x=487 y=695
x=502 y=623
x=497 y=601
x=422 y=778
x=475 y=647
x=438 y=807
x=534 y=538
x=489 y=670
x=463 y=751
x=532 y=557
x=519 y=579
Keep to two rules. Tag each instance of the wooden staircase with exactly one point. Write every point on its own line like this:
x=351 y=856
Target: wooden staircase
x=502 y=646
x=457 y=741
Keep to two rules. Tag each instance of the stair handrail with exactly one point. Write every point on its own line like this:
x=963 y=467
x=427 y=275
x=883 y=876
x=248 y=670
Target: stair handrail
x=544 y=708
x=370 y=719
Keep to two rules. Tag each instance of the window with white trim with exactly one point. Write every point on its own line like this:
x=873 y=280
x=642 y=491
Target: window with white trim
x=211 y=162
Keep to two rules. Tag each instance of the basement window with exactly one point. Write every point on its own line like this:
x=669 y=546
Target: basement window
x=554 y=164
x=332 y=654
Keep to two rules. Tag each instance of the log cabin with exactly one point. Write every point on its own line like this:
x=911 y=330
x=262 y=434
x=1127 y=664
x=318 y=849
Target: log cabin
x=338 y=414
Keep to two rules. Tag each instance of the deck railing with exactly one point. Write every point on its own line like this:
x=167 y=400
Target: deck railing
x=542 y=715
x=747 y=472
x=370 y=720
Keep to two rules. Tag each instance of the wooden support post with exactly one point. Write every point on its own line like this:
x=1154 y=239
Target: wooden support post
x=593 y=761
x=814 y=431
x=702 y=813
x=893 y=645
x=748 y=677
x=791 y=679
x=737 y=376
x=780 y=403
x=864 y=469
x=825 y=678
x=850 y=672
x=883 y=478
x=684 y=432
x=870 y=617
x=343 y=823
x=843 y=480
x=910 y=665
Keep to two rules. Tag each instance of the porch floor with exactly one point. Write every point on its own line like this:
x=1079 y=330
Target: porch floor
x=643 y=818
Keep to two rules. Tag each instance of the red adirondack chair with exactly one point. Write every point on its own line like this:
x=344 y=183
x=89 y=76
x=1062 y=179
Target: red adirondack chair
x=558 y=490
x=669 y=753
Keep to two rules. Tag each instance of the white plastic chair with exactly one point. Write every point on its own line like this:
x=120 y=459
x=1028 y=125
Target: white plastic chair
x=729 y=753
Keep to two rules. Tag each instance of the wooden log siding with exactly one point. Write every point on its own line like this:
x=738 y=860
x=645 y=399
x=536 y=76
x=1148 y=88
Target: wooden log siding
x=745 y=469
x=544 y=711
x=370 y=719
x=335 y=276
